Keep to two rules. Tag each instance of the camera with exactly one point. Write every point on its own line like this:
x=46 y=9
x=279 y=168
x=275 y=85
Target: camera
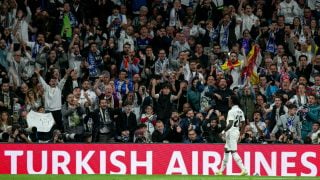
x=123 y=139
x=288 y=133
x=71 y=137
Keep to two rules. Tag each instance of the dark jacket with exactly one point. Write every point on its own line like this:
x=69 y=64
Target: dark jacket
x=68 y=87
x=11 y=96
x=158 y=137
x=98 y=124
x=184 y=123
x=212 y=134
x=173 y=136
x=223 y=105
x=126 y=123
x=232 y=39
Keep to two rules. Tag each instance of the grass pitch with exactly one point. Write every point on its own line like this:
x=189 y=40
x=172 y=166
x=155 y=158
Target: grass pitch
x=146 y=177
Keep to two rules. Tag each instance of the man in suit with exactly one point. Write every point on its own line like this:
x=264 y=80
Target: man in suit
x=289 y=122
x=103 y=123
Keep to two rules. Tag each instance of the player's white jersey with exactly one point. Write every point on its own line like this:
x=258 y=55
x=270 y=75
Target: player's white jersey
x=236 y=115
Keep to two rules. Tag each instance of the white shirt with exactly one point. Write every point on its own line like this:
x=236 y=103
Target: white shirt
x=52 y=95
x=255 y=131
x=123 y=39
x=311 y=4
x=75 y=62
x=236 y=115
x=248 y=21
x=289 y=10
x=299 y=102
x=236 y=76
x=92 y=96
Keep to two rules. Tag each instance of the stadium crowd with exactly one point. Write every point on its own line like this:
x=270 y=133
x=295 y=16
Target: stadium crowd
x=160 y=71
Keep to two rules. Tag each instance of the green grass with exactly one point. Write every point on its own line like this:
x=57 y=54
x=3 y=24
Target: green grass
x=144 y=177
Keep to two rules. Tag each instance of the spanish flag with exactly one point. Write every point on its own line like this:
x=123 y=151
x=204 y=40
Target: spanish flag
x=249 y=70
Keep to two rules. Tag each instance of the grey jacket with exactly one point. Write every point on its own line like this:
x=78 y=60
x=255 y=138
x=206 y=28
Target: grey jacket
x=72 y=119
x=282 y=124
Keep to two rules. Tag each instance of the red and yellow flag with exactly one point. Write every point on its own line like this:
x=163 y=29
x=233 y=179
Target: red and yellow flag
x=228 y=65
x=249 y=70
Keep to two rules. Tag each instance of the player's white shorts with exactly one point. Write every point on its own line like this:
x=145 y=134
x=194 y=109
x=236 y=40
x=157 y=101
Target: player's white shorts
x=232 y=140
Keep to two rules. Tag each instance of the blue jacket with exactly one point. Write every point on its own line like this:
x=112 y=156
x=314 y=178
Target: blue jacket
x=122 y=89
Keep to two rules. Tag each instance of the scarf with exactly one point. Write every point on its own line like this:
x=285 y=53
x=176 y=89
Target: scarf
x=92 y=65
x=290 y=122
x=126 y=62
x=228 y=65
x=271 y=45
x=224 y=40
x=35 y=50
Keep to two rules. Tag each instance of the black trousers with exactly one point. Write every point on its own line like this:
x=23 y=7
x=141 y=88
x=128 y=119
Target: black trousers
x=57 y=116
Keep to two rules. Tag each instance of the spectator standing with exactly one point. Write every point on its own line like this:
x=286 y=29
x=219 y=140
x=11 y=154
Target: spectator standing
x=53 y=96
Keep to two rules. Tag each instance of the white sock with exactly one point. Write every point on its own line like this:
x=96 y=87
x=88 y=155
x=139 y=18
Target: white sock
x=224 y=161
x=238 y=160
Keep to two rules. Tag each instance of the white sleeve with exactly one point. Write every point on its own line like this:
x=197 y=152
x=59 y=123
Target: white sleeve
x=124 y=19
x=43 y=82
x=242 y=117
x=230 y=116
x=186 y=72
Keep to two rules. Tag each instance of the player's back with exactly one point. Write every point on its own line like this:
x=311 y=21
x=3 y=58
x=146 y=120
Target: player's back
x=236 y=115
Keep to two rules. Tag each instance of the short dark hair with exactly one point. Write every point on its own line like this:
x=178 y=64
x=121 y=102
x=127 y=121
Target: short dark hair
x=257 y=111
x=316 y=123
x=235 y=100
x=291 y=106
x=303 y=56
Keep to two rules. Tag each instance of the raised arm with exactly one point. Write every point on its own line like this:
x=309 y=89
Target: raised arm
x=42 y=81
x=240 y=8
x=182 y=85
x=64 y=79
x=153 y=89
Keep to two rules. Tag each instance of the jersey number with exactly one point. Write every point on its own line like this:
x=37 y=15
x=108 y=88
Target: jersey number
x=236 y=123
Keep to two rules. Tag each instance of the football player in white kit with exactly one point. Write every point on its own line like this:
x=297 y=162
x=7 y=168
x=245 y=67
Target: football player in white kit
x=234 y=119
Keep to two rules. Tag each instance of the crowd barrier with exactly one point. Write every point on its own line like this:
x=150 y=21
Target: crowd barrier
x=186 y=159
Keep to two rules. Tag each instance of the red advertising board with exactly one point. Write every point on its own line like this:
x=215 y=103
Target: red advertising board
x=191 y=159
